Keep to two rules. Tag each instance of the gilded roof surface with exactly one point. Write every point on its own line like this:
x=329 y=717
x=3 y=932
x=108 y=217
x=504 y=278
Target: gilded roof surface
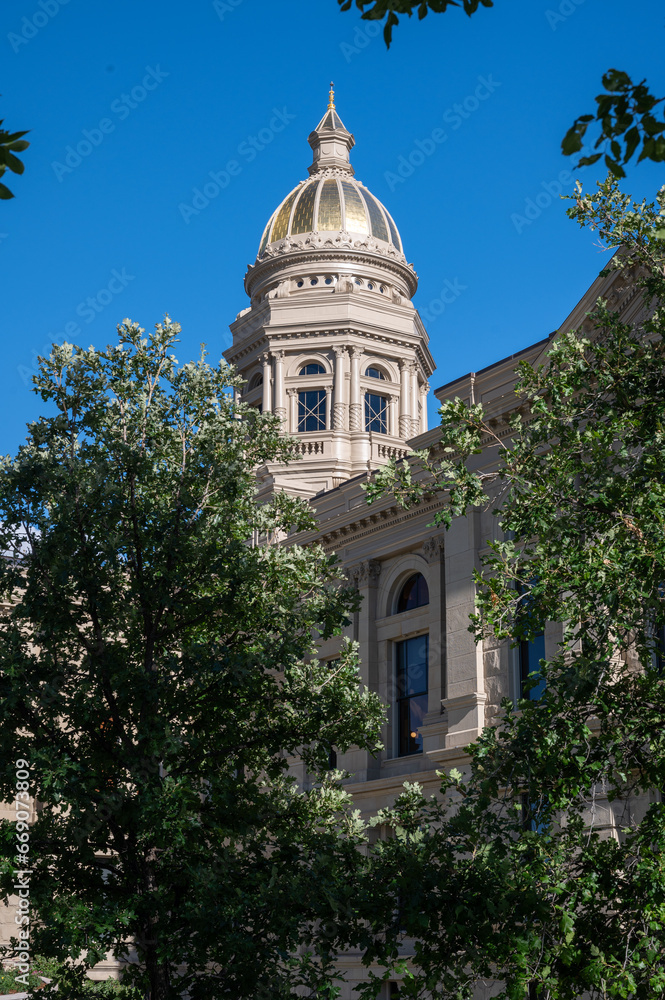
x=327 y=204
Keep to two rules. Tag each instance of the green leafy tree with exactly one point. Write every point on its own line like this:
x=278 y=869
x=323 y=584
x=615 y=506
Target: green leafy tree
x=627 y=113
x=629 y=116
x=388 y=10
x=11 y=143
x=157 y=673
x=509 y=874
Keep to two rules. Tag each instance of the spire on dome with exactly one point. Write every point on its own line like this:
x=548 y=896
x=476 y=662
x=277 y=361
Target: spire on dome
x=331 y=142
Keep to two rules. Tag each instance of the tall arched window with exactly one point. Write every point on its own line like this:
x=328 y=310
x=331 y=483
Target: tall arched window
x=312 y=369
x=373 y=372
x=414 y=593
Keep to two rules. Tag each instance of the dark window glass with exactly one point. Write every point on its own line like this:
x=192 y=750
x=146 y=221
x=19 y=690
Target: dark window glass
x=373 y=372
x=313 y=369
x=531 y=653
x=414 y=594
x=376 y=413
x=659 y=650
x=411 y=693
x=256 y=381
x=312 y=410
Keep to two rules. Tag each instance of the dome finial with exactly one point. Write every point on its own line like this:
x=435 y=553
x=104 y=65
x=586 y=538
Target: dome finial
x=331 y=97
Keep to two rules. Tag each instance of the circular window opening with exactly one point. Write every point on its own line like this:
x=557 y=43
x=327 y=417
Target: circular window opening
x=329 y=281
x=300 y=284
x=358 y=281
x=314 y=281
x=414 y=593
x=370 y=286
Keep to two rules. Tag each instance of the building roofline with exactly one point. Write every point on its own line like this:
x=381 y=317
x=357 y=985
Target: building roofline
x=502 y=361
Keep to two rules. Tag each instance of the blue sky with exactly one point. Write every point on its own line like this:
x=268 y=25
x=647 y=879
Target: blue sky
x=169 y=92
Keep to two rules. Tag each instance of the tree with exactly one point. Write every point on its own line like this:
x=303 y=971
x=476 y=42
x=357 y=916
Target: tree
x=508 y=874
x=625 y=111
x=11 y=143
x=156 y=678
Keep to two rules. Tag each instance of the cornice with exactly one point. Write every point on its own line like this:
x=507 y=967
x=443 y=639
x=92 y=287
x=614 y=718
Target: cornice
x=267 y=339
x=370 y=524
x=314 y=249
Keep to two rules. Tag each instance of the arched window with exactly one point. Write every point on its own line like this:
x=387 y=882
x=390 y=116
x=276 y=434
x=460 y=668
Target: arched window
x=373 y=372
x=414 y=593
x=312 y=369
x=256 y=381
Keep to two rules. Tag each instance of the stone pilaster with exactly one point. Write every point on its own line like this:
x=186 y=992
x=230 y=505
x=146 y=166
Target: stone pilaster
x=280 y=405
x=339 y=406
x=355 y=408
x=293 y=410
x=404 y=408
x=266 y=401
x=415 y=416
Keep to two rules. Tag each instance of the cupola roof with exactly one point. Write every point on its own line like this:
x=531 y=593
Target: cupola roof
x=331 y=207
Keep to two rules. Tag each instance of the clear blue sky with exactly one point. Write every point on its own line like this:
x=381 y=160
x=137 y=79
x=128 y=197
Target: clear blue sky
x=181 y=87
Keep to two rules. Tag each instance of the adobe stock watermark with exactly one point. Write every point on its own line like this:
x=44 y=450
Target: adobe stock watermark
x=21 y=956
x=534 y=207
x=88 y=310
x=31 y=26
x=121 y=107
x=455 y=117
x=224 y=7
x=248 y=150
x=362 y=36
x=565 y=10
x=450 y=292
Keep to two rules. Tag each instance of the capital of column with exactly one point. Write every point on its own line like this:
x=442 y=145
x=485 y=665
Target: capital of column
x=364 y=574
x=433 y=548
x=291 y=392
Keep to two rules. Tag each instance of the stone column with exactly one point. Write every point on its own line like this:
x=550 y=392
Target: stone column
x=355 y=409
x=266 y=402
x=404 y=409
x=280 y=407
x=293 y=410
x=424 y=389
x=328 y=407
x=392 y=415
x=339 y=406
x=415 y=416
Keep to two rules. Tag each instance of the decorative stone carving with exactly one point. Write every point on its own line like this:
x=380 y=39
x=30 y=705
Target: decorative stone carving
x=364 y=574
x=433 y=548
x=338 y=416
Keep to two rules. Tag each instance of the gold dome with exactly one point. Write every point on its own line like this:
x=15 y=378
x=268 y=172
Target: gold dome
x=331 y=204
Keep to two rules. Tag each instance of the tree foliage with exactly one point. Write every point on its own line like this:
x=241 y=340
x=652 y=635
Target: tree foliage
x=378 y=10
x=540 y=868
x=627 y=114
x=11 y=143
x=157 y=671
